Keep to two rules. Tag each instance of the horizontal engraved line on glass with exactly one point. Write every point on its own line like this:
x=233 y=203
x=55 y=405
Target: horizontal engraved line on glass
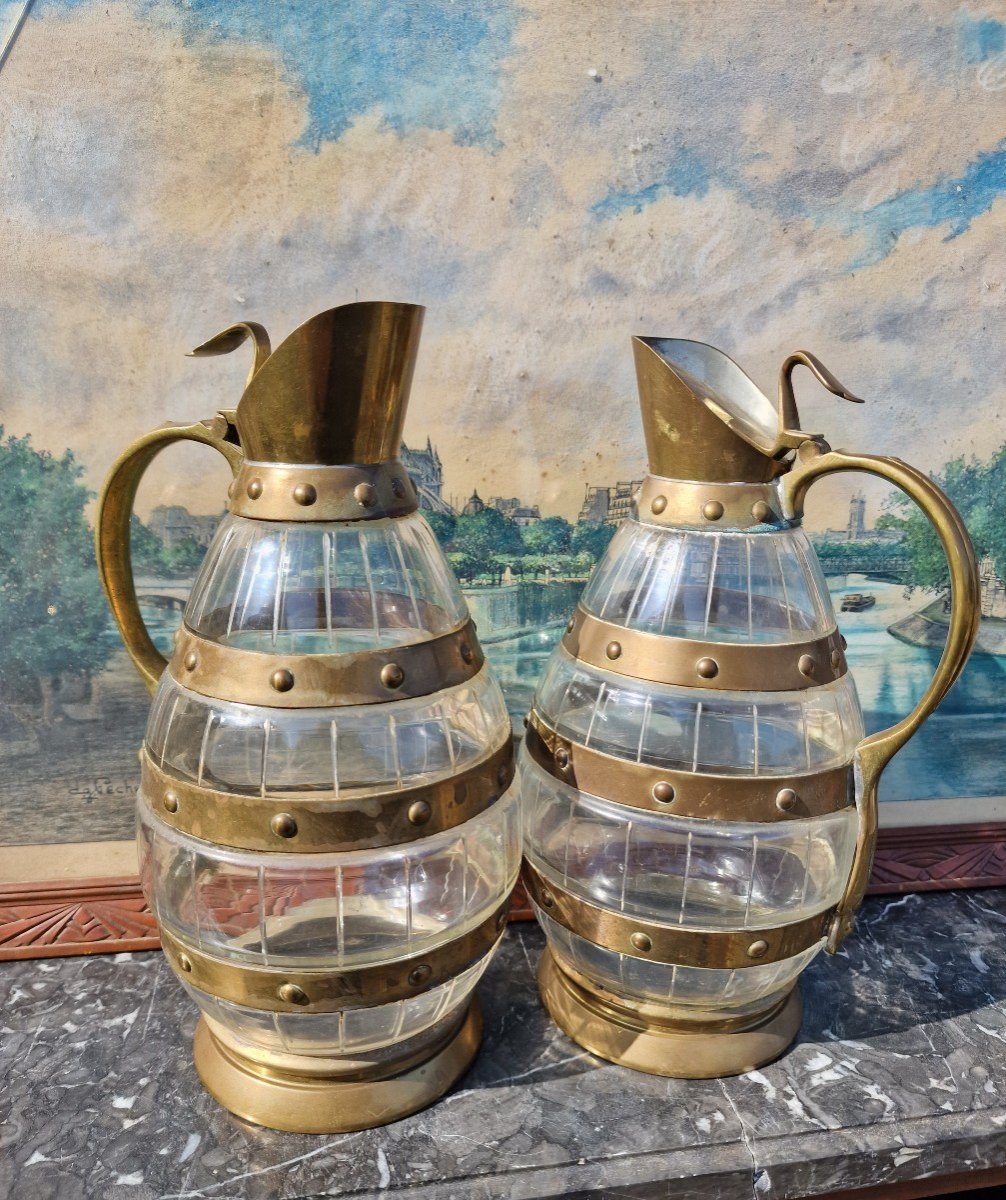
x=717 y=949
x=342 y=492
x=720 y=666
x=757 y=798
x=276 y=680
x=316 y=991
x=317 y=822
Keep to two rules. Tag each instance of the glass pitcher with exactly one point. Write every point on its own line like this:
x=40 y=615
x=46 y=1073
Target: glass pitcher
x=326 y=835
x=700 y=802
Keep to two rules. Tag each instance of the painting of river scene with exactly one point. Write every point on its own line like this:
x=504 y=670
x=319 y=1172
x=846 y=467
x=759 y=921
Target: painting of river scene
x=548 y=179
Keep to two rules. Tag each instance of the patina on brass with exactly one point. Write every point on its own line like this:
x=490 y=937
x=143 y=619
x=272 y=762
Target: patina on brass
x=329 y=990
x=722 y=456
x=310 y=680
x=687 y=793
x=323 y=822
x=721 y=949
x=684 y=662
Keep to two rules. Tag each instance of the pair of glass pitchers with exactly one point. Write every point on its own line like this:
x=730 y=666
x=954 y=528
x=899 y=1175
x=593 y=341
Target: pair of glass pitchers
x=328 y=830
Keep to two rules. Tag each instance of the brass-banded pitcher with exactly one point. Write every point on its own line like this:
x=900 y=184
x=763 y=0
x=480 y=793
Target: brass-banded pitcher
x=326 y=836
x=700 y=801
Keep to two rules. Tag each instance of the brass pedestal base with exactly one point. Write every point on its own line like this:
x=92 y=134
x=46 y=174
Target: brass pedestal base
x=327 y=1104
x=624 y=1037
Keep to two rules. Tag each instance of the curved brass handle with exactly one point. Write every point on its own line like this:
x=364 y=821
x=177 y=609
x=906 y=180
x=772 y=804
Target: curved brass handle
x=111 y=535
x=815 y=458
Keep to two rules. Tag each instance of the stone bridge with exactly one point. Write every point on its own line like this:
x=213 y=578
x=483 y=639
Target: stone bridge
x=890 y=568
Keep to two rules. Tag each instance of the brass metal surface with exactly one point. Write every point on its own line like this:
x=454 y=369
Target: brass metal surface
x=280 y=492
x=322 y=822
x=720 y=949
x=309 y=1103
x=687 y=793
x=112 y=535
x=688 y=435
x=816 y=459
x=790 y=433
x=613 y=1031
x=331 y=989
x=684 y=662
x=320 y=680
x=335 y=391
x=682 y=503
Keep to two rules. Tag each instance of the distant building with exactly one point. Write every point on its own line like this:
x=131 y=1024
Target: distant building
x=474 y=505
x=857 y=518
x=993 y=590
x=172 y=524
x=855 y=529
x=608 y=505
x=520 y=514
x=427 y=473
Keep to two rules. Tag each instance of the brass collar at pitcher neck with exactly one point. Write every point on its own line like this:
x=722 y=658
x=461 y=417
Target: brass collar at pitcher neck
x=300 y=492
x=693 y=504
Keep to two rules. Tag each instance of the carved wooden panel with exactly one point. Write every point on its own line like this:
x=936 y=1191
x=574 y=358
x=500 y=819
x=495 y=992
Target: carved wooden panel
x=107 y=916
x=83 y=916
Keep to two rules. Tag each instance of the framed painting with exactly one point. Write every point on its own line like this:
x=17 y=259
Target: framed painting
x=757 y=209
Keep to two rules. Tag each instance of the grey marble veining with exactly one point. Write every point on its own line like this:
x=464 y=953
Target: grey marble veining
x=899 y=1072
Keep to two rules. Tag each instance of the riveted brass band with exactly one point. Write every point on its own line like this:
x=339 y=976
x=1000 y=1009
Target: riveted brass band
x=276 y=990
x=320 y=680
x=758 y=798
x=690 y=504
x=720 y=666
x=354 y=492
x=719 y=949
x=320 y=822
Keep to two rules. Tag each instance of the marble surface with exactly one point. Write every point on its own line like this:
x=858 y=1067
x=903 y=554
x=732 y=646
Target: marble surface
x=899 y=1073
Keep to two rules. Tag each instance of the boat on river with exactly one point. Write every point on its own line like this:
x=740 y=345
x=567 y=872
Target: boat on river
x=858 y=601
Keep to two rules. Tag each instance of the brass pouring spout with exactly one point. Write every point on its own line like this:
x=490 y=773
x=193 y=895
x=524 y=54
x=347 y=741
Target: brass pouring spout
x=334 y=392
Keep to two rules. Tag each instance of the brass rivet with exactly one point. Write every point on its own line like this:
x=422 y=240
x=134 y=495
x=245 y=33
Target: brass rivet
x=786 y=799
x=170 y=802
x=398 y=487
x=365 y=494
x=758 y=949
x=191 y=660
x=707 y=668
x=547 y=899
x=184 y=963
x=305 y=493
x=282 y=680
x=419 y=812
x=836 y=659
x=283 y=825
x=806 y=665
x=561 y=757
x=712 y=510
x=467 y=653
x=254 y=489
x=663 y=792
x=659 y=504
x=503 y=775
x=392 y=675
x=290 y=993
x=641 y=942
x=569 y=625
x=420 y=974
x=613 y=649
x=761 y=511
